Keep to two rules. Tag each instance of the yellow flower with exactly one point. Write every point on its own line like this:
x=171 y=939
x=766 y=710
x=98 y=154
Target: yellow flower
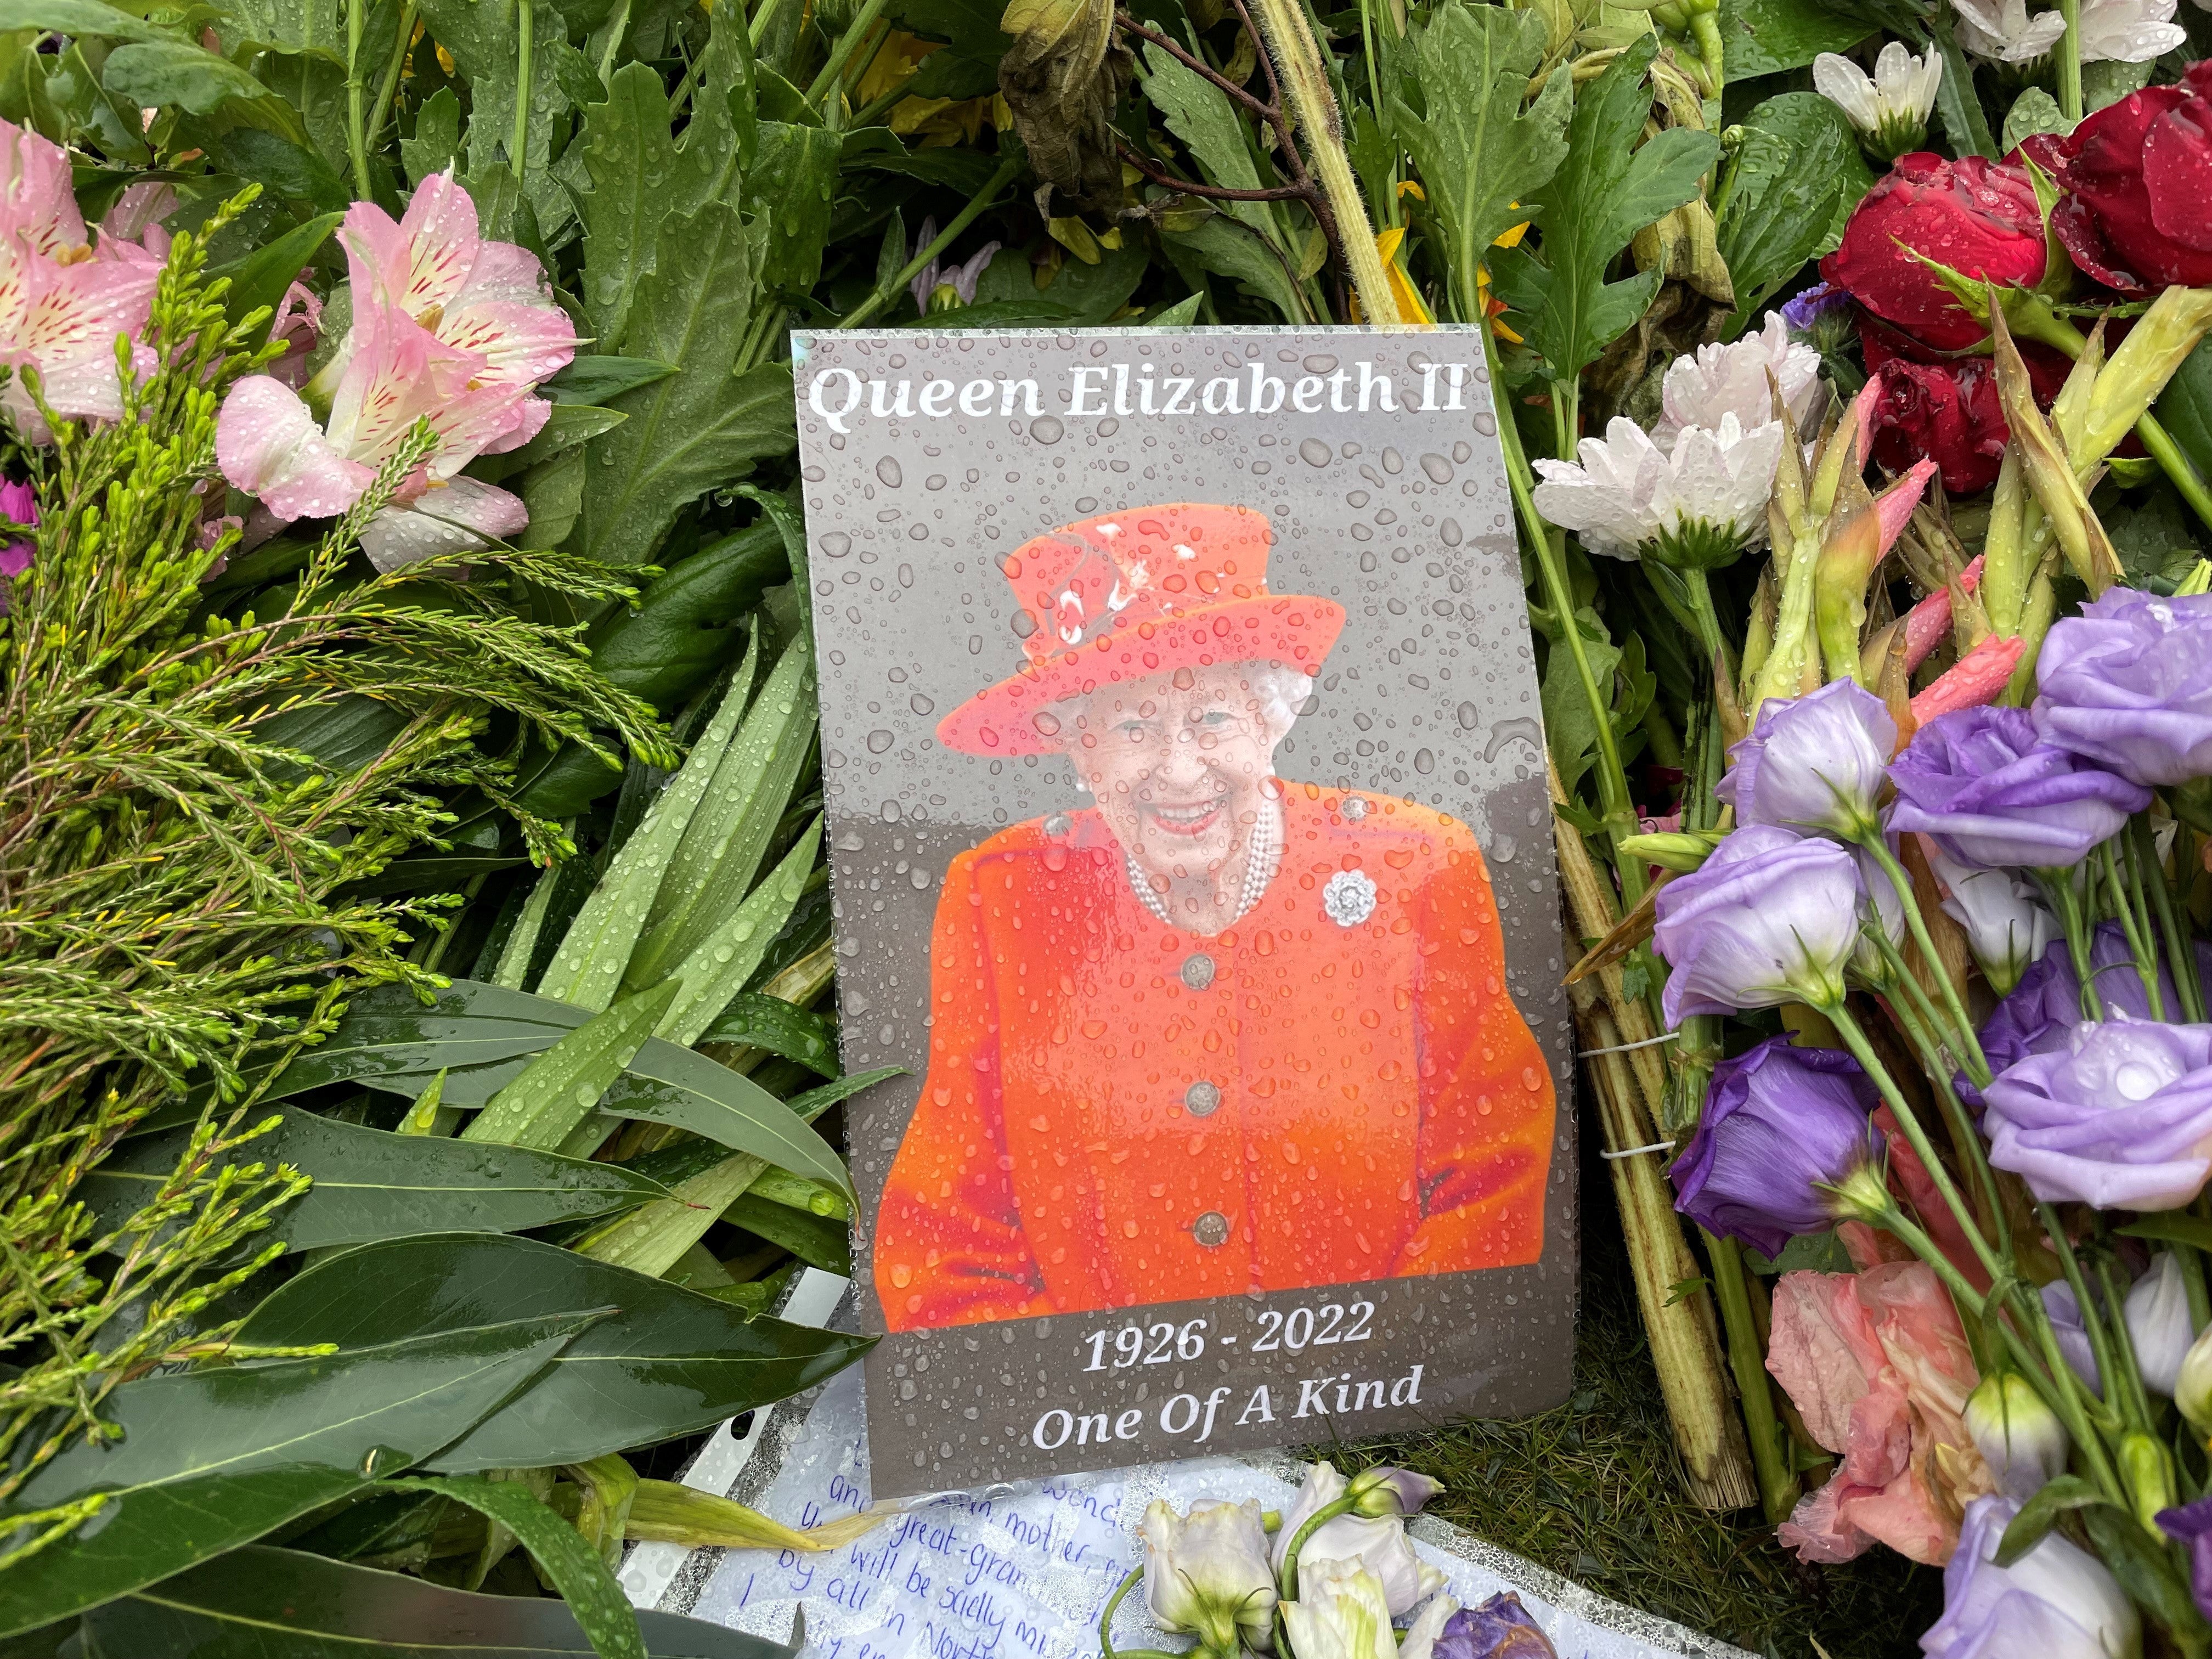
x=1410 y=307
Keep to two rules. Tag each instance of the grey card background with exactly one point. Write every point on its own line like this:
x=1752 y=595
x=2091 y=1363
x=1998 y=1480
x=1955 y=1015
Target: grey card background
x=1403 y=517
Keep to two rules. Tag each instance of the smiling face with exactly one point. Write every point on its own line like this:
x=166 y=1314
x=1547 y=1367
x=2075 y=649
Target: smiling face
x=1179 y=763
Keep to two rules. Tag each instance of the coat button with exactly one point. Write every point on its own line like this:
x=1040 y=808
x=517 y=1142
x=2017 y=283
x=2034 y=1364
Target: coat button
x=1201 y=1098
x=1211 y=1230
x=1354 y=808
x=1198 y=970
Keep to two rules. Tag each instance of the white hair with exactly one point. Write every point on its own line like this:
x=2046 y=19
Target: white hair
x=1280 y=691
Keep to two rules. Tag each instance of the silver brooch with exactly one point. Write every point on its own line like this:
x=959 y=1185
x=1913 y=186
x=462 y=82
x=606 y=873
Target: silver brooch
x=1354 y=808
x=1349 y=898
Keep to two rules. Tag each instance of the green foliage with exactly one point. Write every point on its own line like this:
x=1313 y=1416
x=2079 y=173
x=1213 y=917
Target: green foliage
x=1765 y=37
x=1794 y=180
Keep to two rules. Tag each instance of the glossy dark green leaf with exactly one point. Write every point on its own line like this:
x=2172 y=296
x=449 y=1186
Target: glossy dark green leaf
x=818 y=1241
x=669 y=1362
x=1798 y=175
x=790 y=190
x=92 y=17
x=212 y=1459
x=2172 y=1227
x=371 y=1184
x=445 y=872
x=154 y=74
x=595 y=380
x=679 y=632
x=687 y=1090
x=562 y=784
x=285 y=172
x=343 y=736
x=1765 y=37
x=2040 y=1513
x=770 y=1023
x=815 y=1102
x=578 y=1577
x=482 y=1036
x=264 y=1603
x=2186 y=407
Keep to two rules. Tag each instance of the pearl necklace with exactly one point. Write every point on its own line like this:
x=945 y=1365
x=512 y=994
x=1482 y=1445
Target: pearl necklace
x=1259 y=861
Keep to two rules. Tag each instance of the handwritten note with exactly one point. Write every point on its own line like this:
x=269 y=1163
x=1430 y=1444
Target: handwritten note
x=1024 y=1574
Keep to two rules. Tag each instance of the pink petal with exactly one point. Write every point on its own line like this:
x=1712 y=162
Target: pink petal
x=1892 y=509
x=38 y=200
x=268 y=445
x=529 y=418
x=376 y=253
x=69 y=320
x=442 y=240
x=1905 y=1515
x=522 y=343
x=456 y=517
x=1977 y=678
x=1927 y=622
x=1818 y=1529
x=1864 y=405
x=505 y=274
x=1823 y=1351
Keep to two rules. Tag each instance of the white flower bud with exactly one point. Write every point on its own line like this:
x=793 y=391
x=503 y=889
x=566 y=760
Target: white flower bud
x=2192 y=1385
x=2018 y=1436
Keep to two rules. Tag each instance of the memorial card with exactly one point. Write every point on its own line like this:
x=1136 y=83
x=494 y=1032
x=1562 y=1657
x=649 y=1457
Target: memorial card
x=1185 y=776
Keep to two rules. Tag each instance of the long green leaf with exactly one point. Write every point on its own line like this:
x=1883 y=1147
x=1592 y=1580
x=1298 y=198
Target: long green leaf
x=713 y=866
x=371 y=1184
x=682 y=629
x=481 y=1035
x=264 y=1603
x=209 y=1459
x=668 y=1362
x=1799 y=173
x=557 y=1092
x=579 y=1576
x=654 y=1237
x=755 y=1021
x=718 y=969
x=588 y=966
x=262 y=277
x=92 y=17
x=687 y=1090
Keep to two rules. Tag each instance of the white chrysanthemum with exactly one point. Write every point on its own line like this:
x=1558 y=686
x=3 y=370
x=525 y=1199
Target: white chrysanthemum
x=1731 y=379
x=1697 y=506
x=2128 y=31
x=2005 y=32
x=1889 y=108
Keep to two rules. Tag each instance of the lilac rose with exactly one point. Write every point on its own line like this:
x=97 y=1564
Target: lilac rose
x=1814 y=764
x=1779 y=1123
x=2128 y=683
x=2056 y=1601
x=2121 y=1117
x=1770 y=918
x=1501 y=1628
x=1993 y=793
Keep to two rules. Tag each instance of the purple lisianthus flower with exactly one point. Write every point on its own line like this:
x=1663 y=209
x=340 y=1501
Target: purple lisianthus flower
x=2189 y=1524
x=1772 y=917
x=2128 y=683
x=1777 y=1119
x=2064 y=1313
x=1814 y=764
x=1814 y=302
x=2121 y=1117
x=1387 y=1489
x=1992 y=793
x=2056 y=1601
x=2046 y=1005
x=1501 y=1628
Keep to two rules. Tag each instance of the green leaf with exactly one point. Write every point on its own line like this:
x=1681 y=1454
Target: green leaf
x=371 y=1184
x=1607 y=190
x=92 y=17
x=1227 y=246
x=262 y=277
x=556 y=1094
x=1799 y=174
x=789 y=196
x=596 y=952
x=627 y=154
x=703 y=427
x=1198 y=113
x=815 y=1100
x=712 y=868
x=722 y=136
x=1956 y=101
x=2041 y=1512
x=155 y=73
x=964 y=172
x=436 y=144
x=687 y=1090
x=2146 y=1570
x=1482 y=161
x=2033 y=112
x=717 y=968
x=1765 y=37
x=816 y=1240
x=485 y=47
x=209 y=1459
x=566 y=425
x=260 y=1603
x=669 y=1362
x=578 y=1577
x=482 y=1036
x=286 y=26
x=597 y=380
x=682 y=629
x=1569 y=725
x=2170 y=1227
x=2184 y=408
x=755 y=1021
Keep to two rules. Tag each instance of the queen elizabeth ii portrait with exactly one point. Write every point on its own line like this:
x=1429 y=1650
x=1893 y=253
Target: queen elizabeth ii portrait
x=1217 y=1031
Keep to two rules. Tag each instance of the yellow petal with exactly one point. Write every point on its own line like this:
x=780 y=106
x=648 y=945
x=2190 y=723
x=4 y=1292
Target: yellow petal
x=1412 y=188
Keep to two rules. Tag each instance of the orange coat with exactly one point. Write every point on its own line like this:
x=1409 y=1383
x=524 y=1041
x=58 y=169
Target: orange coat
x=1119 y=1113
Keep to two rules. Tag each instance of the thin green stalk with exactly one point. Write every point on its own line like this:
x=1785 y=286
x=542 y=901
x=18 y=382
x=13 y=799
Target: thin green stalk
x=2180 y=950
x=357 y=132
x=1855 y=1039
x=2124 y=1379
x=878 y=106
x=1970 y=1046
x=2133 y=923
x=1699 y=587
x=2070 y=61
x=761 y=20
x=525 y=21
x=1778 y=1481
x=2092 y=1317
x=1920 y=1025
x=1312 y=1524
x=2059 y=890
x=967 y=216
x=854 y=34
x=393 y=66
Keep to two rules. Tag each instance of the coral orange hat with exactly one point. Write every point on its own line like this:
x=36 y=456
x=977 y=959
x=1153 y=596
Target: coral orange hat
x=1127 y=595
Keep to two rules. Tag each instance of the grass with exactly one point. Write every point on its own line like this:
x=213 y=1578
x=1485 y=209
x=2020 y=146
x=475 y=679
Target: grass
x=1591 y=1490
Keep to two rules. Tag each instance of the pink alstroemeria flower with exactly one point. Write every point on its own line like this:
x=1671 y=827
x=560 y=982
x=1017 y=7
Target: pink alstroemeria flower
x=60 y=306
x=395 y=372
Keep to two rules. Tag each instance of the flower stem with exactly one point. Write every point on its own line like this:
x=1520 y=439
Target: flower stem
x=2181 y=950
x=2135 y=923
x=1964 y=1139
x=1313 y=1523
x=357 y=133
x=2092 y=1318
x=392 y=68
x=1695 y=583
x=525 y=23
x=1970 y=1046
x=2070 y=61
x=886 y=292
x=2058 y=888
x=854 y=34
x=1770 y=1461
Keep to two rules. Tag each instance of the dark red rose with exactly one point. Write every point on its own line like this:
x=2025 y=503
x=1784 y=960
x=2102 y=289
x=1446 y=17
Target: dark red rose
x=2137 y=214
x=1946 y=410
x=1976 y=216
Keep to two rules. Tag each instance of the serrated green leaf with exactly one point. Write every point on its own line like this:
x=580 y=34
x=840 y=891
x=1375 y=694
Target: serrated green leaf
x=260 y=1602
x=286 y=26
x=559 y=1090
x=628 y=155
x=1198 y=113
x=716 y=969
x=715 y=862
x=597 y=950
x=1796 y=179
x=92 y=17
x=371 y=1184
x=436 y=144
x=788 y=197
x=1607 y=190
x=485 y=45
x=209 y=1459
x=2184 y=408
x=1229 y=248
x=1482 y=161
x=669 y=1361
x=1766 y=36
x=722 y=137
